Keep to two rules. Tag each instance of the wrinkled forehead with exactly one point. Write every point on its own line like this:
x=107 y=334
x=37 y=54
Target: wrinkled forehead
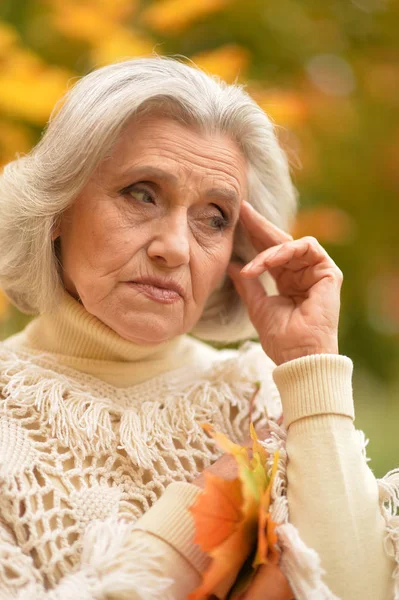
x=182 y=155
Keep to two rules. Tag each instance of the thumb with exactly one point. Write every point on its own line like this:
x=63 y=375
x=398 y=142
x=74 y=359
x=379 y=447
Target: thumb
x=251 y=291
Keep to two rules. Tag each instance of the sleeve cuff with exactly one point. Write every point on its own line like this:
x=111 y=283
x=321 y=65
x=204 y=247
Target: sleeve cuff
x=170 y=520
x=317 y=384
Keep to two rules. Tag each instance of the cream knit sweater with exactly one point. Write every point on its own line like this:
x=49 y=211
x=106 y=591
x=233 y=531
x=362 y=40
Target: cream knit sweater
x=100 y=439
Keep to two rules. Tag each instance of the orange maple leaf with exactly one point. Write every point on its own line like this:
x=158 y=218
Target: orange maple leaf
x=226 y=529
x=217 y=512
x=229 y=516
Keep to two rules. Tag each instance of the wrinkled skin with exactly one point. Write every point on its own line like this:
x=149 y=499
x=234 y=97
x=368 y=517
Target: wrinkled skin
x=165 y=227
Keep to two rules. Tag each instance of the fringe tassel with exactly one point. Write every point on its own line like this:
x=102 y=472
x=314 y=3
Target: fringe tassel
x=388 y=488
x=88 y=423
x=76 y=418
x=109 y=552
x=363 y=441
x=301 y=565
x=276 y=438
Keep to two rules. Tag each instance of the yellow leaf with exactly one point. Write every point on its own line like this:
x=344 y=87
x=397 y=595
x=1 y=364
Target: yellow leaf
x=172 y=16
x=81 y=22
x=13 y=138
x=122 y=44
x=116 y=10
x=267 y=537
x=257 y=447
x=228 y=62
x=283 y=107
x=90 y=20
x=29 y=89
x=239 y=452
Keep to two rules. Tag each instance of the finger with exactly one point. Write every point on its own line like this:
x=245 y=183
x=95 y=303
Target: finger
x=294 y=256
x=251 y=291
x=260 y=230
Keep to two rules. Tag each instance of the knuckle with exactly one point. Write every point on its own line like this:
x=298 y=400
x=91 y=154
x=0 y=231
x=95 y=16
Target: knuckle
x=340 y=275
x=312 y=240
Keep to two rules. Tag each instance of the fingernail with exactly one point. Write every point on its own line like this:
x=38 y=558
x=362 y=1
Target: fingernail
x=248 y=267
x=272 y=254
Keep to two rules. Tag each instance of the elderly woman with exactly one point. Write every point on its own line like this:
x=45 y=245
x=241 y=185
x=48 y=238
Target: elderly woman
x=125 y=231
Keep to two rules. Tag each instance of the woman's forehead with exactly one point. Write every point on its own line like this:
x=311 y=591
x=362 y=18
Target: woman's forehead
x=164 y=148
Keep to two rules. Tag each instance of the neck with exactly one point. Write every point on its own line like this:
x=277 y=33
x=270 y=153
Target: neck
x=80 y=340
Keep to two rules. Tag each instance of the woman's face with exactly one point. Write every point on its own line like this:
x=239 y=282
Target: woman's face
x=164 y=205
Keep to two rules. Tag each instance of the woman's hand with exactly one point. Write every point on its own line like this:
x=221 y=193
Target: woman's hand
x=269 y=583
x=304 y=318
x=224 y=467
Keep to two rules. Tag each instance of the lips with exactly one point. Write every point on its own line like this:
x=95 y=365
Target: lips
x=161 y=283
x=157 y=293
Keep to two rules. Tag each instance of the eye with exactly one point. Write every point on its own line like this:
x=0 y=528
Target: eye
x=140 y=193
x=220 y=221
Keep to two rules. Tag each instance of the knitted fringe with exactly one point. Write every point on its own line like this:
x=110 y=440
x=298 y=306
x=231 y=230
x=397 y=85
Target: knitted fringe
x=389 y=498
x=86 y=423
x=108 y=569
x=300 y=564
x=302 y=567
x=109 y=552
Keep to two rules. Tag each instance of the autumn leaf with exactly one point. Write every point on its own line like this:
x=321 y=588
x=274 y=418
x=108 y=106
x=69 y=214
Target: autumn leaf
x=227 y=61
x=229 y=516
x=29 y=87
x=14 y=137
x=267 y=537
x=218 y=511
x=90 y=21
x=286 y=107
x=121 y=43
x=225 y=528
x=172 y=16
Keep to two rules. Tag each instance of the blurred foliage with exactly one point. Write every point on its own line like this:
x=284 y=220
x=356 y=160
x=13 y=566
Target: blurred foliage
x=326 y=73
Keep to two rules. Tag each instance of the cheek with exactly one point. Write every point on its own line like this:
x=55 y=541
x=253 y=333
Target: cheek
x=210 y=268
x=94 y=245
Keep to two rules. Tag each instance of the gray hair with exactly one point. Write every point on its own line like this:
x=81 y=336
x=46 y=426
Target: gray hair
x=36 y=188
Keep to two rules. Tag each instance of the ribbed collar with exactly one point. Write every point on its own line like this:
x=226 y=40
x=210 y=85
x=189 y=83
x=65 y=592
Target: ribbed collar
x=80 y=340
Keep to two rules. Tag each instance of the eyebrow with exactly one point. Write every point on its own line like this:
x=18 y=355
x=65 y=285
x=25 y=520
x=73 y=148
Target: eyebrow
x=150 y=171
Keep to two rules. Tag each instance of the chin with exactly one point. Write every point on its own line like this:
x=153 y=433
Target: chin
x=146 y=335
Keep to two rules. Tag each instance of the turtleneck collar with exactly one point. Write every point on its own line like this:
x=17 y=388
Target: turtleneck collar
x=80 y=340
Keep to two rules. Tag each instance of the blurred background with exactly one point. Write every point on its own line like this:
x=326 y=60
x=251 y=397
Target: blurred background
x=327 y=73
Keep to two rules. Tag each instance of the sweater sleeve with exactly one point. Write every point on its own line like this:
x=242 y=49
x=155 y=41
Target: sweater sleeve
x=152 y=559
x=332 y=494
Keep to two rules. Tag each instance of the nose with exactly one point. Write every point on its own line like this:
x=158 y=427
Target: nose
x=170 y=241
